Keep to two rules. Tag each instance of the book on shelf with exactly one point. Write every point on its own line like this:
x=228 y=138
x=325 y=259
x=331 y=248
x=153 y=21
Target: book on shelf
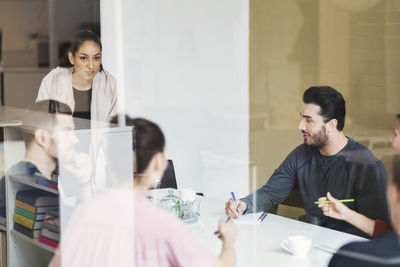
x=38 y=179
x=51 y=217
x=50 y=234
x=52 y=227
x=37 y=198
x=29 y=215
x=31 y=208
x=45 y=182
x=28 y=223
x=48 y=242
x=26 y=231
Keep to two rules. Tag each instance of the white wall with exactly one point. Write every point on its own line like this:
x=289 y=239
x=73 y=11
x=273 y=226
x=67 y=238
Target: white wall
x=184 y=65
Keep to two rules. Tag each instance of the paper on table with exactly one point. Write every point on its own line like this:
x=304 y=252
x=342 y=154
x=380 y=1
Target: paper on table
x=251 y=218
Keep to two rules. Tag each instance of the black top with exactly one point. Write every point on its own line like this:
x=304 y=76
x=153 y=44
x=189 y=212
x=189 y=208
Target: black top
x=353 y=173
x=383 y=251
x=83 y=103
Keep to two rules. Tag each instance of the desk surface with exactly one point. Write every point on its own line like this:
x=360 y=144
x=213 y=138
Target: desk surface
x=259 y=244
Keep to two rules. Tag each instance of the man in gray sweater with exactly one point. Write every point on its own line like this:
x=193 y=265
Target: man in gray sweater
x=328 y=161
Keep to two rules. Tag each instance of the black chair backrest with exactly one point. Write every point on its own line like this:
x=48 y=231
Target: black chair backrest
x=169 y=180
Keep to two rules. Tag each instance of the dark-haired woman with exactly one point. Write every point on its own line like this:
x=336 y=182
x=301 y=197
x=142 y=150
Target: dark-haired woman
x=89 y=90
x=122 y=228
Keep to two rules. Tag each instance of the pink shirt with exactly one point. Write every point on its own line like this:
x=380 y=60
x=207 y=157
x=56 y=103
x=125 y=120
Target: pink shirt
x=101 y=233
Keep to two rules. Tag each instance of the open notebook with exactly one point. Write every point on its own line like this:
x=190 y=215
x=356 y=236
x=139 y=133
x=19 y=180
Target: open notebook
x=251 y=218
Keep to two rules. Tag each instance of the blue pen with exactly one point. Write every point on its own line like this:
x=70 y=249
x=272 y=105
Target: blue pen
x=234 y=200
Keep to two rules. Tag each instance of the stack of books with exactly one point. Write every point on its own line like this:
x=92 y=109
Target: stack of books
x=30 y=208
x=51 y=229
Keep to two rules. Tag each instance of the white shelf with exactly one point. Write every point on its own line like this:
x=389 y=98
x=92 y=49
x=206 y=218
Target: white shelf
x=26 y=181
x=3 y=228
x=4 y=123
x=32 y=241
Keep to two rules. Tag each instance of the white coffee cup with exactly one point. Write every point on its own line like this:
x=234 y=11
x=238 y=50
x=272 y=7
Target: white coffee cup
x=298 y=245
x=187 y=194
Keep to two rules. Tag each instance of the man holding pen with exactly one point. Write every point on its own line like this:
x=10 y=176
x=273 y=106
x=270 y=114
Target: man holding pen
x=328 y=161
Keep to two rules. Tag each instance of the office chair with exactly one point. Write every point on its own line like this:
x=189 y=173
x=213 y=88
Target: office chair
x=294 y=199
x=169 y=180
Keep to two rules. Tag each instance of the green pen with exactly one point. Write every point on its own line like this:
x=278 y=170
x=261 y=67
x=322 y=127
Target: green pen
x=340 y=200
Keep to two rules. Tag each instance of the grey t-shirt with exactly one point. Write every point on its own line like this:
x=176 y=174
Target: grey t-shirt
x=83 y=103
x=353 y=173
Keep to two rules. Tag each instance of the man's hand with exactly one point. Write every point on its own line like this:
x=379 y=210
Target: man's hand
x=235 y=211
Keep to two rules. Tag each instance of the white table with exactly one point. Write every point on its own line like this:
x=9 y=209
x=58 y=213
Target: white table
x=259 y=244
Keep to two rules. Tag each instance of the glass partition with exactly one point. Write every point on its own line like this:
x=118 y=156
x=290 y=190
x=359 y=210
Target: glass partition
x=206 y=103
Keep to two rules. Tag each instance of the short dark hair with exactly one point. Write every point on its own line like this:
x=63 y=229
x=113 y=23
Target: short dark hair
x=148 y=139
x=398 y=116
x=77 y=41
x=41 y=115
x=330 y=101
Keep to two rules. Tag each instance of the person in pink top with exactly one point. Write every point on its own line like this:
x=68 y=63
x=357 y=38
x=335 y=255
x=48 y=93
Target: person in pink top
x=122 y=228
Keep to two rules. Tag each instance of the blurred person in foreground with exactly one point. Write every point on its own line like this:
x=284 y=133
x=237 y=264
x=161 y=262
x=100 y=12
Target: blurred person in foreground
x=328 y=161
x=340 y=211
x=385 y=250
x=122 y=228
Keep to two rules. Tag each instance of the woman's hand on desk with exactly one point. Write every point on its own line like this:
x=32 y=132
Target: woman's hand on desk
x=227 y=231
x=235 y=209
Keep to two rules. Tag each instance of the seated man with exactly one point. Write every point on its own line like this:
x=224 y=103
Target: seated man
x=385 y=250
x=46 y=118
x=328 y=161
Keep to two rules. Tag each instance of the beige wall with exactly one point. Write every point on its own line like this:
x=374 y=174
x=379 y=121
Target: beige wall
x=297 y=44
x=20 y=18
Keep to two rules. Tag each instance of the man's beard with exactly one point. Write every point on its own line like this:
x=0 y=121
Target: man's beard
x=318 y=140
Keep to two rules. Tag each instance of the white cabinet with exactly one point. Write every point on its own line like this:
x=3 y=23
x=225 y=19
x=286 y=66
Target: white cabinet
x=21 y=250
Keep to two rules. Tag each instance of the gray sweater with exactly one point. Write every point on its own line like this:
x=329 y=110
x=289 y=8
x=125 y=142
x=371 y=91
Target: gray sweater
x=353 y=173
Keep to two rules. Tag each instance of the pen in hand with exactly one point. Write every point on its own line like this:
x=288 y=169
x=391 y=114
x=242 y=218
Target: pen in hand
x=340 y=200
x=234 y=202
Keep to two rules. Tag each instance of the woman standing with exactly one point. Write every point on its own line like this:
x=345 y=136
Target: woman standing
x=89 y=90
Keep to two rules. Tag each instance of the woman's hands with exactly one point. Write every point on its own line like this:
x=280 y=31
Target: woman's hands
x=335 y=209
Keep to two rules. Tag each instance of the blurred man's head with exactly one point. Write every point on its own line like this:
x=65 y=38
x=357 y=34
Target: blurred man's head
x=44 y=121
